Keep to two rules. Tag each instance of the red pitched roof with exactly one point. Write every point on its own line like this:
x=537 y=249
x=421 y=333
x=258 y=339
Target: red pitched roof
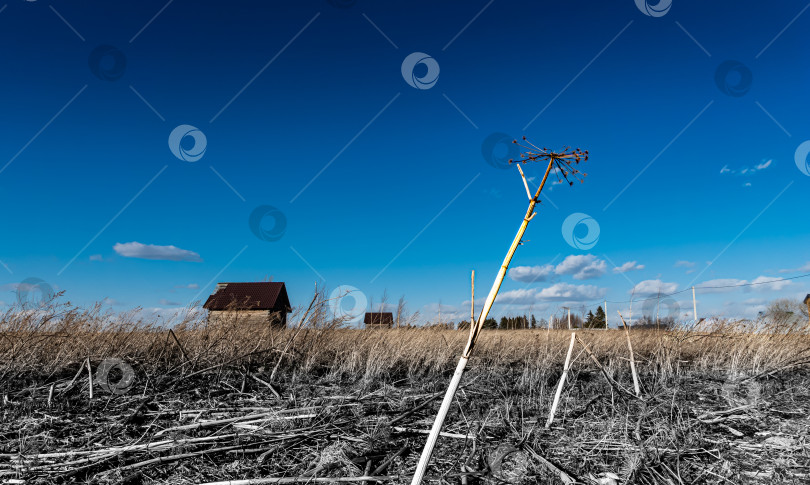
x=379 y=318
x=249 y=296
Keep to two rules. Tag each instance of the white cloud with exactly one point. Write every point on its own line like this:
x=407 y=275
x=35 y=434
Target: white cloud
x=746 y=170
x=628 y=266
x=556 y=292
x=760 y=283
x=529 y=274
x=653 y=287
x=152 y=251
x=769 y=283
x=730 y=282
x=567 y=292
x=582 y=267
x=95 y=257
x=684 y=264
x=191 y=286
x=804 y=268
x=519 y=297
x=764 y=165
x=110 y=302
x=165 y=302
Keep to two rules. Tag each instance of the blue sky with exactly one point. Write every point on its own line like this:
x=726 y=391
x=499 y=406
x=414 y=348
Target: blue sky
x=694 y=116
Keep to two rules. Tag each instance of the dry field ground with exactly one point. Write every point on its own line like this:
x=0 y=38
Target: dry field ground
x=719 y=404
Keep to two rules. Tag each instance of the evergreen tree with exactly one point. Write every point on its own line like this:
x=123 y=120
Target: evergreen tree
x=589 y=320
x=504 y=323
x=600 y=319
x=490 y=323
x=533 y=322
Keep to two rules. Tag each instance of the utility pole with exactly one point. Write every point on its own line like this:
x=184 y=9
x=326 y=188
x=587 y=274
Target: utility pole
x=569 y=316
x=694 y=305
x=606 y=320
x=658 y=309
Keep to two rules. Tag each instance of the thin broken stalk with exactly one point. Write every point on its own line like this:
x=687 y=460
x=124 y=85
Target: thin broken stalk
x=560 y=386
x=562 y=162
x=632 y=358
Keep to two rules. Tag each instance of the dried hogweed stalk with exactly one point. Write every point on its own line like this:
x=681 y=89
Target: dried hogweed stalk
x=564 y=161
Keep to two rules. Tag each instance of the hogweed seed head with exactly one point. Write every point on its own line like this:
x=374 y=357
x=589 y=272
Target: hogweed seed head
x=563 y=160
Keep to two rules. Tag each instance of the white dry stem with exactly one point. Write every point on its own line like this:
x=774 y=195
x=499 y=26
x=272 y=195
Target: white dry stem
x=560 y=386
x=632 y=357
x=475 y=331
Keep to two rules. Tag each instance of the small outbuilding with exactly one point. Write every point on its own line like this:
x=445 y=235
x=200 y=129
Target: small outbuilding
x=263 y=302
x=379 y=320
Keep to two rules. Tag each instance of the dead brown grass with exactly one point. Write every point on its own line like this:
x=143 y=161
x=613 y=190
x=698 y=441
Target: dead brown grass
x=316 y=400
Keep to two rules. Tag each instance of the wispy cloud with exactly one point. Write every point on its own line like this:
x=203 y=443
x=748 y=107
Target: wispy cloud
x=530 y=274
x=153 y=251
x=746 y=170
x=556 y=292
x=628 y=266
x=581 y=267
x=653 y=287
x=190 y=286
x=760 y=283
x=684 y=264
x=96 y=257
x=165 y=302
x=567 y=292
x=802 y=269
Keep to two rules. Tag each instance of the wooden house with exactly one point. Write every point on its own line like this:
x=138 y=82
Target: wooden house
x=252 y=303
x=379 y=320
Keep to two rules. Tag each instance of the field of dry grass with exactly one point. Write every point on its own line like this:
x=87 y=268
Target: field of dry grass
x=723 y=403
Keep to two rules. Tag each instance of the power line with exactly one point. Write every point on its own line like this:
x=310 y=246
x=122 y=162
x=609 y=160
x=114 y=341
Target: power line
x=666 y=295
